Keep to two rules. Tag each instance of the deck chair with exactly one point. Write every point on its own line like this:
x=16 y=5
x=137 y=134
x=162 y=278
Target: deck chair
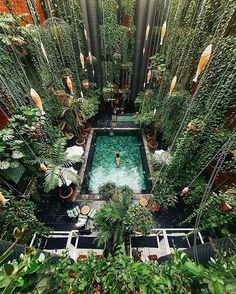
x=72 y=213
x=82 y=220
x=92 y=213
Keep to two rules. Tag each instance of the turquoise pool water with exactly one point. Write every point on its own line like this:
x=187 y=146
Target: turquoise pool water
x=130 y=172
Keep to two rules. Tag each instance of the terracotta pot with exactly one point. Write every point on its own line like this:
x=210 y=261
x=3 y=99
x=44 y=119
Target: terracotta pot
x=225 y=207
x=67 y=193
x=152 y=144
x=84 y=135
x=80 y=142
x=150 y=137
x=69 y=135
x=154 y=207
x=87 y=130
x=36 y=134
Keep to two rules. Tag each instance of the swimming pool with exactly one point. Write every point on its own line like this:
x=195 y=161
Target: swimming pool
x=101 y=167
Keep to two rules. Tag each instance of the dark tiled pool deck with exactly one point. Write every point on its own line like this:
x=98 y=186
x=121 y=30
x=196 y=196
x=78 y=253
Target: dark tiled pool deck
x=53 y=213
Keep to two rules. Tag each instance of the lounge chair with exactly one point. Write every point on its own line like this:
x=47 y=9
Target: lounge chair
x=72 y=213
x=92 y=213
x=82 y=220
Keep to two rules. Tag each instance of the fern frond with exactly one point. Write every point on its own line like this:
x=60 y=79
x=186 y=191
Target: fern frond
x=52 y=177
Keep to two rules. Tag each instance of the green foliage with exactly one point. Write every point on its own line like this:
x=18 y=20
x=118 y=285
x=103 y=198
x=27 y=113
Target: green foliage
x=20 y=214
x=56 y=167
x=213 y=215
x=107 y=191
x=139 y=219
x=21 y=127
x=117 y=274
x=110 y=222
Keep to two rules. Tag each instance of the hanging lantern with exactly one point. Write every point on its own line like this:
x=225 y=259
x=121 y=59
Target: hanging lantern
x=149 y=75
x=91 y=59
x=44 y=51
x=192 y=128
x=85 y=84
x=163 y=32
x=147 y=32
x=3 y=200
x=172 y=85
x=184 y=191
x=43 y=168
x=203 y=61
x=234 y=153
x=82 y=60
x=69 y=84
x=37 y=100
x=85 y=34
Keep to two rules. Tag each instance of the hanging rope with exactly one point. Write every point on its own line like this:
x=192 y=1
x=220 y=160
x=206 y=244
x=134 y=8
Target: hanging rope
x=185 y=116
x=207 y=192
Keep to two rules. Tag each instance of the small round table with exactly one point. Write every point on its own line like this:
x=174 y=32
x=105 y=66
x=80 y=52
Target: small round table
x=85 y=210
x=143 y=202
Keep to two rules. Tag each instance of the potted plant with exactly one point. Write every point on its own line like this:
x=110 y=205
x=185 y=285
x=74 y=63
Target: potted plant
x=107 y=191
x=59 y=171
x=150 y=136
x=152 y=144
x=67 y=192
x=81 y=141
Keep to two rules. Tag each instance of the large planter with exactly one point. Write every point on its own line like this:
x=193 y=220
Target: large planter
x=67 y=193
x=80 y=142
x=152 y=144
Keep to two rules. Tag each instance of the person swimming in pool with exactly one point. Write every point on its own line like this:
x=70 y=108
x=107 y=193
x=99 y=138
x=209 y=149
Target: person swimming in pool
x=117 y=158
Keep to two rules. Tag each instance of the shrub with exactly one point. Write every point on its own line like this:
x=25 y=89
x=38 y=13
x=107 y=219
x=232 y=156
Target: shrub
x=139 y=219
x=106 y=191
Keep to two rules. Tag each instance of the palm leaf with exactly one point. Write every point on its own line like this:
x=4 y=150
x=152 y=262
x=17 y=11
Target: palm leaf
x=52 y=177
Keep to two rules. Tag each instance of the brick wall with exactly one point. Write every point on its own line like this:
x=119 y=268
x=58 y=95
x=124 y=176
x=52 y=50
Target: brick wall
x=20 y=7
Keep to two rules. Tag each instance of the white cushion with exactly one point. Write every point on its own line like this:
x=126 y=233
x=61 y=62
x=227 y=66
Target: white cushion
x=92 y=213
